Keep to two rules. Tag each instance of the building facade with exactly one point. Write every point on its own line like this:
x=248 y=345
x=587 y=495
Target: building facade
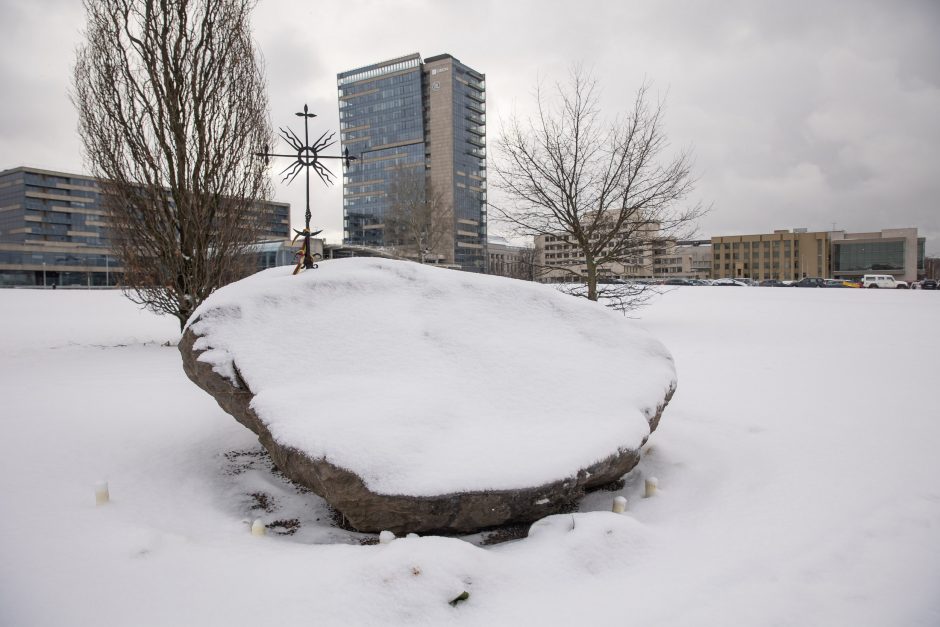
x=507 y=259
x=652 y=259
x=54 y=230
x=784 y=255
x=898 y=252
x=409 y=117
x=684 y=259
x=932 y=268
x=791 y=255
x=560 y=259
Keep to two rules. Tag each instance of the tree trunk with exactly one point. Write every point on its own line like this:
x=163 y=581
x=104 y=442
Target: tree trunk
x=591 y=280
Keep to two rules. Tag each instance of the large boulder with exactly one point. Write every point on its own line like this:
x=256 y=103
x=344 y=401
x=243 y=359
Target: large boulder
x=420 y=399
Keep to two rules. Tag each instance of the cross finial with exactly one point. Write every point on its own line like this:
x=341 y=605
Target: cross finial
x=305 y=114
x=307 y=156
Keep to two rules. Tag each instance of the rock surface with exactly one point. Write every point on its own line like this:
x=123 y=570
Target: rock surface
x=365 y=508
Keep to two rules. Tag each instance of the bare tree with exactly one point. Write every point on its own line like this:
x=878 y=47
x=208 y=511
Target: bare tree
x=932 y=267
x=418 y=222
x=511 y=261
x=171 y=102
x=526 y=266
x=608 y=190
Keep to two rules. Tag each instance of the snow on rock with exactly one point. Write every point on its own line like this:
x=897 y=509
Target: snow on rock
x=414 y=398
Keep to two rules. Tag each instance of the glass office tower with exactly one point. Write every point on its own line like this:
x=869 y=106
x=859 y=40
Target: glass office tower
x=426 y=118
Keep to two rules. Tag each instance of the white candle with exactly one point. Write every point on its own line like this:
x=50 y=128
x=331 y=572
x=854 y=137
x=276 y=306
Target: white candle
x=620 y=504
x=651 y=484
x=258 y=528
x=101 y=493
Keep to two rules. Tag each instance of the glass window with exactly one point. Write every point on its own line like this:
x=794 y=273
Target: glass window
x=857 y=256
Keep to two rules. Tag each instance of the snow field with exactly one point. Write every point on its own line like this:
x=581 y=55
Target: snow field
x=798 y=485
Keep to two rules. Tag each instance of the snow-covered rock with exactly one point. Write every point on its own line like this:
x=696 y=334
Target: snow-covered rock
x=415 y=398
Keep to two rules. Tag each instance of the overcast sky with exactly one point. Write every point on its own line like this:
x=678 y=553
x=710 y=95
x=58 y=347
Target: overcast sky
x=799 y=114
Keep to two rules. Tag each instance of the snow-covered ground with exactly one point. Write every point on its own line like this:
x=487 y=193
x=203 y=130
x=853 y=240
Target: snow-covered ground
x=797 y=465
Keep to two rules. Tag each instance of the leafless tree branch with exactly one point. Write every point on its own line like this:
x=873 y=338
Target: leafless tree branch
x=418 y=223
x=172 y=103
x=610 y=189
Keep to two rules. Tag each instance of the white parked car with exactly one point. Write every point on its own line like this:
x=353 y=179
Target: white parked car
x=883 y=280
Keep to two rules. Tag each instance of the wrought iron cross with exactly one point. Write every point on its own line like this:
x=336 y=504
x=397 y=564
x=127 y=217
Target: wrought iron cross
x=307 y=156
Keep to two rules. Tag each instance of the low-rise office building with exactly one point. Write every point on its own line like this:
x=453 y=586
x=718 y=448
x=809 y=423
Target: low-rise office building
x=509 y=260
x=54 y=230
x=785 y=255
x=791 y=255
x=898 y=252
x=560 y=259
x=684 y=259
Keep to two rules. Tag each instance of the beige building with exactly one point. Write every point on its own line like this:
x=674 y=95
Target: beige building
x=898 y=252
x=558 y=256
x=561 y=261
x=691 y=259
x=509 y=260
x=791 y=255
x=784 y=255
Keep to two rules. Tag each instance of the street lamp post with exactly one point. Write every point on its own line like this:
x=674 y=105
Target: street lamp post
x=44 y=274
x=307 y=157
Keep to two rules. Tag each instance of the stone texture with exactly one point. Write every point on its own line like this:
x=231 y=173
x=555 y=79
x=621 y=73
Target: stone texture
x=365 y=510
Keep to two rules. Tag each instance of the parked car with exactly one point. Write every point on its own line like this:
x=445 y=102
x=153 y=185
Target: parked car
x=730 y=282
x=842 y=283
x=676 y=281
x=810 y=281
x=772 y=283
x=882 y=281
x=928 y=284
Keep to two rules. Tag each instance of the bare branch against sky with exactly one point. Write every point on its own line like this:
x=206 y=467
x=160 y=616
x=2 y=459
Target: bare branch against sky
x=801 y=114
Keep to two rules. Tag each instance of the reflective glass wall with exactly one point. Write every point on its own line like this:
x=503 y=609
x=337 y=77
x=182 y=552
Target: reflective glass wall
x=54 y=229
x=470 y=168
x=382 y=125
x=385 y=111
x=886 y=256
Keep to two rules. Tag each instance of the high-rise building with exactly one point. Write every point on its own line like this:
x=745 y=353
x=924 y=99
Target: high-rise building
x=421 y=119
x=54 y=229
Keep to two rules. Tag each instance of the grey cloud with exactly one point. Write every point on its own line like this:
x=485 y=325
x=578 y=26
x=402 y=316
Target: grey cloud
x=799 y=113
